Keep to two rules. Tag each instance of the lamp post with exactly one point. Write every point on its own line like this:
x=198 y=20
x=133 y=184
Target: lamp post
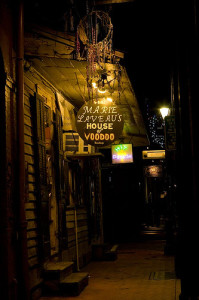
x=165 y=111
x=168 y=136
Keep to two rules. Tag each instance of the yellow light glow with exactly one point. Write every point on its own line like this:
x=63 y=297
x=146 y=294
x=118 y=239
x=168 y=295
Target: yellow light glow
x=94 y=85
x=102 y=91
x=153 y=154
x=109 y=99
x=164 y=111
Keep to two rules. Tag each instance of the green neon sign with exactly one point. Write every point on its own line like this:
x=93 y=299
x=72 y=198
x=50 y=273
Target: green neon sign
x=120 y=147
x=122 y=154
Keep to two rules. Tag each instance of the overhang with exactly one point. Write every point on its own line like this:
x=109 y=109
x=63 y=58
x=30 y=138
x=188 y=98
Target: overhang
x=83 y=156
x=69 y=77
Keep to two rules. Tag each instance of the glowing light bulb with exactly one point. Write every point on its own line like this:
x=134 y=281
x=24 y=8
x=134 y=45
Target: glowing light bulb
x=94 y=85
x=164 y=111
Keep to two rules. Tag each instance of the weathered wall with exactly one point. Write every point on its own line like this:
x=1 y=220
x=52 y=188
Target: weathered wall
x=8 y=272
x=32 y=85
x=84 y=212
x=9 y=175
x=7 y=37
x=78 y=241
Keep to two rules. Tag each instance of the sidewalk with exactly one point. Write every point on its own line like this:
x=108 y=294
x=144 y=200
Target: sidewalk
x=141 y=272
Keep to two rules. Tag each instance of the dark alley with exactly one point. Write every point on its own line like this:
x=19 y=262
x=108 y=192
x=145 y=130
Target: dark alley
x=99 y=164
x=141 y=272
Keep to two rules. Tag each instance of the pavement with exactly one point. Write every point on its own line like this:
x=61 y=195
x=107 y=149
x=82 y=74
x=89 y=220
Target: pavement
x=141 y=272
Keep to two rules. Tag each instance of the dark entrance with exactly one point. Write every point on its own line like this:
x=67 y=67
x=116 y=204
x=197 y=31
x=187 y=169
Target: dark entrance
x=122 y=202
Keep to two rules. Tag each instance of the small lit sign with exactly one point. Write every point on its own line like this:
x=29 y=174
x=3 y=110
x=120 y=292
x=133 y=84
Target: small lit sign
x=153 y=154
x=122 y=154
x=153 y=171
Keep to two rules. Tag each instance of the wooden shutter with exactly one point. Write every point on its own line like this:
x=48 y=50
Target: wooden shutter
x=38 y=110
x=60 y=180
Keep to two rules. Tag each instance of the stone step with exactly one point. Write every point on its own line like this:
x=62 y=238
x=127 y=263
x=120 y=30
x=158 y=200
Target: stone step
x=104 y=252
x=57 y=271
x=74 y=284
x=114 y=248
x=111 y=254
x=98 y=251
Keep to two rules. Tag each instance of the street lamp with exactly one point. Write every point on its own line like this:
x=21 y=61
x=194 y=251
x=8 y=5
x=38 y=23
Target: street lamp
x=164 y=112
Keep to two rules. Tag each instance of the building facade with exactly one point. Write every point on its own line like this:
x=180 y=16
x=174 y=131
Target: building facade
x=50 y=187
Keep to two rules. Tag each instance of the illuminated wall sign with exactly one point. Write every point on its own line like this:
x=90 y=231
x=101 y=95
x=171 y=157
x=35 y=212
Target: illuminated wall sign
x=99 y=124
x=153 y=154
x=122 y=154
x=153 y=171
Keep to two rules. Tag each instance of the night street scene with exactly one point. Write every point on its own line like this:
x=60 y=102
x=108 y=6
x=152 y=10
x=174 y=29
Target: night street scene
x=99 y=164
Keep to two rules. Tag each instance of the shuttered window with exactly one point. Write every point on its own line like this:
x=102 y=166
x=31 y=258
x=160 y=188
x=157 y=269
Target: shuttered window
x=60 y=178
x=71 y=142
x=38 y=110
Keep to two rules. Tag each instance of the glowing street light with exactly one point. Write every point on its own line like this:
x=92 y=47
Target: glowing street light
x=94 y=85
x=164 y=111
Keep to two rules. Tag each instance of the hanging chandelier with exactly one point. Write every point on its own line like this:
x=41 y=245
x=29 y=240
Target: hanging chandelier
x=95 y=31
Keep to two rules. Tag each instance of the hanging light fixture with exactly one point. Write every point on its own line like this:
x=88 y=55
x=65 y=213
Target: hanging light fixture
x=95 y=31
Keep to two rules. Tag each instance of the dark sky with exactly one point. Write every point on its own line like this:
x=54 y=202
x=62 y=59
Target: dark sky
x=142 y=29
